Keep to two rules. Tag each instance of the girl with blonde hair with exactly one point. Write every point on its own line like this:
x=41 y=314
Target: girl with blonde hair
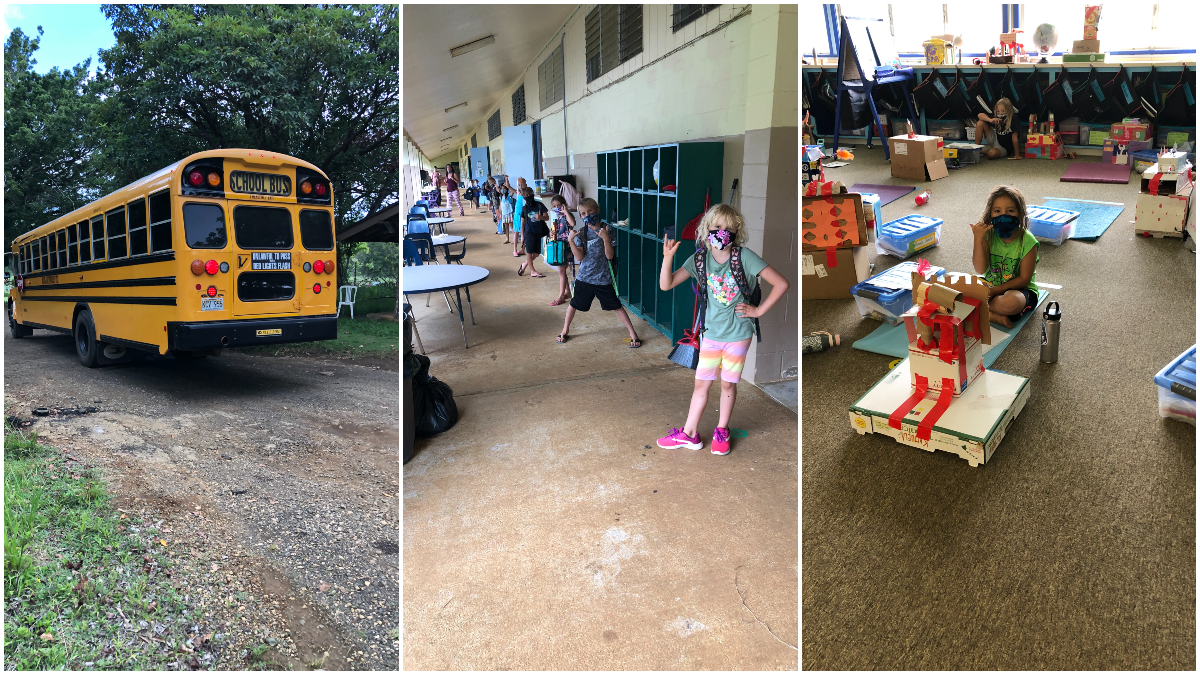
x=727 y=275
x=995 y=132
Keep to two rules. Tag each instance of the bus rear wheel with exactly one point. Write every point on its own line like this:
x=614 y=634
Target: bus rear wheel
x=17 y=330
x=86 y=345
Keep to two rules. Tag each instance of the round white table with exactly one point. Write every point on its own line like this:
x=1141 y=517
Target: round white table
x=436 y=278
x=439 y=223
x=446 y=241
x=439 y=209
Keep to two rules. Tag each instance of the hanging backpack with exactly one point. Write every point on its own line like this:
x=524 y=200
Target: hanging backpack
x=957 y=100
x=981 y=96
x=931 y=94
x=1179 y=104
x=700 y=259
x=1122 y=100
x=1090 y=102
x=1058 y=97
x=1146 y=91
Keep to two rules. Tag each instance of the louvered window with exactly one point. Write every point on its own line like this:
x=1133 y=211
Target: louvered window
x=474 y=144
x=612 y=36
x=518 y=101
x=494 y=126
x=550 y=79
x=682 y=15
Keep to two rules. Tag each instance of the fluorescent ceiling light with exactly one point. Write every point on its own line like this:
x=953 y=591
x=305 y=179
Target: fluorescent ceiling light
x=456 y=106
x=472 y=46
x=449 y=128
x=447 y=138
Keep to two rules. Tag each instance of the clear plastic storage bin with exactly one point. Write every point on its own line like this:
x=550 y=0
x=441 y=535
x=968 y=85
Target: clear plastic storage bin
x=887 y=295
x=1177 y=388
x=1051 y=225
x=908 y=235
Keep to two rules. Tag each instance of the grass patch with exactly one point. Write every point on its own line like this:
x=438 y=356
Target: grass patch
x=356 y=337
x=78 y=591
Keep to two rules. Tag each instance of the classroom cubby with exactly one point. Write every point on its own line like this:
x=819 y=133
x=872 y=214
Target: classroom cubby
x=628 y=191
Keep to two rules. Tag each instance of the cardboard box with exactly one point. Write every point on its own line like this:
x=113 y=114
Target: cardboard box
x=818 y=281
x=1172 y=162
x=916 y=158
x=833 y=221
x=971 y=428
x=1131 y=131
x=961 y=370
x=1168 y=183
x=1090 y=33
x=1085 y=47
x=1162 y=215
x=1083 y=58
x=1044 y=146
x=1091 y=15
x=1112 y=145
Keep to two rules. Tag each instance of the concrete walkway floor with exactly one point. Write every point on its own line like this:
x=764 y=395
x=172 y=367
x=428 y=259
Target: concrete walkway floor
x=546 y=530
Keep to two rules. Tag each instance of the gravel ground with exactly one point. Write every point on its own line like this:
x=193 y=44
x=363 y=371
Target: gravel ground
x=274 y=482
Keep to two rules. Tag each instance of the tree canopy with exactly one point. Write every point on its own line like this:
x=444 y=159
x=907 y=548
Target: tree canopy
x=318 y=82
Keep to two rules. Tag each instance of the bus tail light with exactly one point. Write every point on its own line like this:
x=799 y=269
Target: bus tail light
x=306 y=187
x=197 y=267
x=214 y=179
x=320 y=189
x=212 y=291
x=318 y=267
x=317 y=288
x=195 y=178
x=329 y=267
x=211 y=267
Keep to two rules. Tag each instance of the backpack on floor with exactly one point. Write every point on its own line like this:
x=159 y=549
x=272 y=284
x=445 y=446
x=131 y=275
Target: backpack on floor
x=700 y=259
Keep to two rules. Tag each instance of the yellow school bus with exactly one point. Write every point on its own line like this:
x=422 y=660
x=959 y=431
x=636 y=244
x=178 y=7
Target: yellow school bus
x=224 y=248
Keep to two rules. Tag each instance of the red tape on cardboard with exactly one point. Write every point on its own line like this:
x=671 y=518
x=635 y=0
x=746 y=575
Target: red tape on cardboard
x=831 y=257
x=898 y=416
x=1154 y=183
x=925 y=428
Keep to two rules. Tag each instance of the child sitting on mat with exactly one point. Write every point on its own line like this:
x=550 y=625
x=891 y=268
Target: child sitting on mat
x=996 y=133
x=1006 y=254
x=728 y=315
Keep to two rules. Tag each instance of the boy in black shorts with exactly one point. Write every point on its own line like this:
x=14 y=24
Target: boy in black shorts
x=591 y=244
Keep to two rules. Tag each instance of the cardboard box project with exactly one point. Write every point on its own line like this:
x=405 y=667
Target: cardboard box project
x=818 y=281
x=1156 y=181
x=1162 y=215
x=1131 y=131
x=1043 y=146
x=833 y=221
x=1118 y=152
x=947 y=327
x=1085 y=47
x=916 y=158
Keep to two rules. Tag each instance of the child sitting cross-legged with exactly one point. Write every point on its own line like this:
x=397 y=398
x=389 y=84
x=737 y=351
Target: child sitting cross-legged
x=1006 y=254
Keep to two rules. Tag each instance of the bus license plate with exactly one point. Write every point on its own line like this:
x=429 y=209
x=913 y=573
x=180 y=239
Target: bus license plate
x=212 y=304
x=270 y=331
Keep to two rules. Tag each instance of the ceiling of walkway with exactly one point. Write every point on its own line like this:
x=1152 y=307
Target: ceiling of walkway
x=433 y=81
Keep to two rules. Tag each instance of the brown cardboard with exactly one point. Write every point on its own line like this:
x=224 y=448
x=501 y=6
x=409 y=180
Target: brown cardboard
x=1162 y=215
x=938 y=294
x=972 y=287
x=1169 y=184
x=852 y=267
x=1085 y=47
x=916 y=158
x=819 y=226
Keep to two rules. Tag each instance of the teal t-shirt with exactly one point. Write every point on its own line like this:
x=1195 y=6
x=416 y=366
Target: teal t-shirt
x=722 y=323
x=1005 y=264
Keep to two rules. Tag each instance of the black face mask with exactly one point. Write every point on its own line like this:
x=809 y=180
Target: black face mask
x=1005 y=225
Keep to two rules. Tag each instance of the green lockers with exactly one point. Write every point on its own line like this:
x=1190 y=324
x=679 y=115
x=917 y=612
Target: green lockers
x=627 y=190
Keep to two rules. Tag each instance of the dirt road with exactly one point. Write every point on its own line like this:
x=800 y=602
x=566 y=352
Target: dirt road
x=280 y=473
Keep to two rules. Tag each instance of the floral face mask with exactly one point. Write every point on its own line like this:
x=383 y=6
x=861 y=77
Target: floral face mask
x=720 y=239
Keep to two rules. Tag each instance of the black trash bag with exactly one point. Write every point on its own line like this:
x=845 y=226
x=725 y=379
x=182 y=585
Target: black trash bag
x=1119 y=91
x=1179 y=104
x=433 y=400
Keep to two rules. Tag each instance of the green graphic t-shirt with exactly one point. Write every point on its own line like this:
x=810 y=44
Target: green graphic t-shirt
x=722 y=324
x=1005 y=264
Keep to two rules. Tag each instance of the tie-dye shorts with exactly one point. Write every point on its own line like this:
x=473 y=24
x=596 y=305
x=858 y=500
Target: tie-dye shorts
x=729 y=357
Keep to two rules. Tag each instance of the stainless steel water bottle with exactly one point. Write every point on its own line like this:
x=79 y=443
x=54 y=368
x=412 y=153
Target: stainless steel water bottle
x=1051 y=326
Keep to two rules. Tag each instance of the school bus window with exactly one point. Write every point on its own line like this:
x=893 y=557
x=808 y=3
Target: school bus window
x=62 y=248
x=262 y=227
x=160 y=221
x=316 y=230
x=45 y=254
x=137 y=227
x=98 y=238
x=116 y=233
x=85 y=242
x=73 y=244
x=204 y=225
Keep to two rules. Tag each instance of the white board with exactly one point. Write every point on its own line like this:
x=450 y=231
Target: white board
x=518 y=153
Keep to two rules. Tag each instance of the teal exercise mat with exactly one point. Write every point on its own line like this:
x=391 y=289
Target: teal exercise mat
x=893 y=340
x=1094 y=217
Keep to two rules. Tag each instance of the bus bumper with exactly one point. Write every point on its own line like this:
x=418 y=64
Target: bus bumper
x=187 y=336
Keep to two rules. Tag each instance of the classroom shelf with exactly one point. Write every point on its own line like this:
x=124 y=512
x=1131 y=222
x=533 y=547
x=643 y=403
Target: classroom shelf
x=628 y=190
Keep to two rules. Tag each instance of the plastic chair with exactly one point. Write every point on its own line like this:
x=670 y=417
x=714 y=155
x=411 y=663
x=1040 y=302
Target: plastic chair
x=456 y=257
x=412 y=254
x=421 y=210
x=424 y=245
x=346 y=295
x=417 y=224
x=413 y=322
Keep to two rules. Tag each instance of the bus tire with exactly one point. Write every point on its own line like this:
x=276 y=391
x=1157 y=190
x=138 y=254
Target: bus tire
x=86 y=345
x=18 y=331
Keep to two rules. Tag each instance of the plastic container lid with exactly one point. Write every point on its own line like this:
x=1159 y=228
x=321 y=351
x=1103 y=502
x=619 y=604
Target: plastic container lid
x=908 y=226
x=1180 y=375
x=1050 y=215
x=892 y=282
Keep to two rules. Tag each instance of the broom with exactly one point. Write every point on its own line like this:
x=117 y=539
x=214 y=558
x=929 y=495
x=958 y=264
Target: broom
x=686 y=352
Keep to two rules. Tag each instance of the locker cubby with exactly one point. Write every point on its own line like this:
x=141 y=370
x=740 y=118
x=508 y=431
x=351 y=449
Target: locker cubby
x=667 y=166
x=602 y=169
x=623 y=169
x=666 y=216
x=636 y=221
x=649 y=278
x=623 y=205
x=623 y=245
x=635 y=169
x=634 y=265
x=611 y=161
x=649 y=156
x=650 y=216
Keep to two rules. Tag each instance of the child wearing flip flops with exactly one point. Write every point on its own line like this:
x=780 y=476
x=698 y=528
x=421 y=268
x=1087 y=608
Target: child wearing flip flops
x=562 y=222
x=728 y=316
x=533 y=215
x=593 y=249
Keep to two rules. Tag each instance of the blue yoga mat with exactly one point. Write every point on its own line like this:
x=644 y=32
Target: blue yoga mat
x=1094 y=217
x=893 y=340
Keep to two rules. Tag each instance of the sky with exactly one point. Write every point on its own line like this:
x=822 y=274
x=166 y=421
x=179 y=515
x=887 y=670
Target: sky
x=71 y=33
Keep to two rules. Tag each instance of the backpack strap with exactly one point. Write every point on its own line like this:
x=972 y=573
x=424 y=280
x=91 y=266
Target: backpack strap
x=700 y=259
x=739 y=276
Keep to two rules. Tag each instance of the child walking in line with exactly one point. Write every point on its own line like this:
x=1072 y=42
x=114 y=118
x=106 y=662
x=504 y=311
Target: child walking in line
x=727 y=274
x=506 y=216
x=562 y=222
x=591 y=244
x=1006 y=253
x=533 y=215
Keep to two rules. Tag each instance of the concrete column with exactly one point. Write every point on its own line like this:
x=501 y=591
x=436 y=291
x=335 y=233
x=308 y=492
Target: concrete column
x=769 y=187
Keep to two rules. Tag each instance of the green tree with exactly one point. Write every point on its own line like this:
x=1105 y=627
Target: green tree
x=48 y=144
x=318 y=82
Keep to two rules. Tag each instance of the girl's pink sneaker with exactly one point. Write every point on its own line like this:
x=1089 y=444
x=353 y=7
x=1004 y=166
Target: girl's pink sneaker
x=720 y=444
x=678 y=439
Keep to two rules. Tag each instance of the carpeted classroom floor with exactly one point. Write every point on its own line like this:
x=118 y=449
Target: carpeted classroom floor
x=1074 y=548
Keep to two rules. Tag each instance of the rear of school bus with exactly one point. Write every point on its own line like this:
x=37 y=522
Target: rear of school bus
x=247 y=258
x=256 y=255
